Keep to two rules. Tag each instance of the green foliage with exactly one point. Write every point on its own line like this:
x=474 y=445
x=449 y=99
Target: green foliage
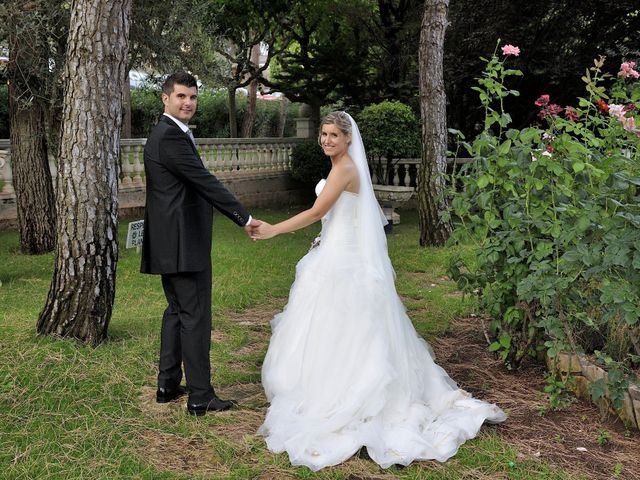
x=618 y=468
x=573 y=31
x=556 y=389
x=604 y=437
x=146 y=108
x=212 y=117
x=4 y=111
x=555 y=213
x=309 y=163
x=390 y=131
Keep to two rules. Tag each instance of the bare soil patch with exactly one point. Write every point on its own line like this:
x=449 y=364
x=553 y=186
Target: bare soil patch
x=175 y=453
x=554 y=437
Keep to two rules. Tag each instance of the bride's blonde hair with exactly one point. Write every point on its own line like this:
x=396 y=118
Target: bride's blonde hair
x=337 y=118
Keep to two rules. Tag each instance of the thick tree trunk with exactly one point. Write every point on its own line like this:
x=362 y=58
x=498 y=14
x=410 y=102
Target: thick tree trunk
x=27 y=70
x=82 y=291
x=431 y=180
x=250 y=115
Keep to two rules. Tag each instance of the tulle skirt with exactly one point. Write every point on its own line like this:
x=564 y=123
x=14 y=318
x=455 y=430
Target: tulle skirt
x=345 y=369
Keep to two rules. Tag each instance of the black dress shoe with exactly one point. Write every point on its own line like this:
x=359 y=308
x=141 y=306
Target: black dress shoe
x=213 y=405
x=166 y=395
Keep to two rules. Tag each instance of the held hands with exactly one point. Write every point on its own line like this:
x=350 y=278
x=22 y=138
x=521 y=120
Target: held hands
x=251 y=227
x=263 y=231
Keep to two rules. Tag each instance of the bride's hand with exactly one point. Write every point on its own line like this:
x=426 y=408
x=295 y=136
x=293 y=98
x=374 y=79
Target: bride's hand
x=263 y=231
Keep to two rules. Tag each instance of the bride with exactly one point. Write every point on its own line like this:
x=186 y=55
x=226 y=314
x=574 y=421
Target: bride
x=345 y=367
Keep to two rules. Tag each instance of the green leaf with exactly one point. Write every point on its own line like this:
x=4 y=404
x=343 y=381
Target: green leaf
x=578 y=166
x=504 y=147
x=598 y=389
x=494 y=347
x=583 y=223
x=484 y=180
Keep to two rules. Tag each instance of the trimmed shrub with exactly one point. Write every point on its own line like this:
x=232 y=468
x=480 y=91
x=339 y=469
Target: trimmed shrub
x=309 y=164
x=390 y=131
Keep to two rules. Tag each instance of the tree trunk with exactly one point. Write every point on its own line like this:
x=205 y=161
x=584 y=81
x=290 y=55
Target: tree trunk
x=27 y=70
x=233 y=122
x=282 y=118
x=250 y=115
x=82 y=291
x=126 y=108
x=431 y=180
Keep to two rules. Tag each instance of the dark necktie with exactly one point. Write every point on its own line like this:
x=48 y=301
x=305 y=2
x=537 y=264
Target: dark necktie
x=190 y=133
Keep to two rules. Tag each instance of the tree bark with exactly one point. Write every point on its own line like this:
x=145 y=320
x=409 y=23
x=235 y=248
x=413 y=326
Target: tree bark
x=27 y=70
x=80 y=299
x=250 y=115
x=431 y=179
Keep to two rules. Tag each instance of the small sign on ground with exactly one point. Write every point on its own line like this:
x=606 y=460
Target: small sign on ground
x=134 y=234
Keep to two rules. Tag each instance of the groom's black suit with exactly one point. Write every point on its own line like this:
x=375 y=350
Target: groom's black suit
x=180 y=197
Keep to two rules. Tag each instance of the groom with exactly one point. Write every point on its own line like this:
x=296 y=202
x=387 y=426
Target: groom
x=180 y=197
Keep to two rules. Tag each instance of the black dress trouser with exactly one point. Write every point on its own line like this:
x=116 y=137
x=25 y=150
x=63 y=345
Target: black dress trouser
x=186 y=333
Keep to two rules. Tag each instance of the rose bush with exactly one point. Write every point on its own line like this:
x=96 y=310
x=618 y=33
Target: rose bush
x=555 y=212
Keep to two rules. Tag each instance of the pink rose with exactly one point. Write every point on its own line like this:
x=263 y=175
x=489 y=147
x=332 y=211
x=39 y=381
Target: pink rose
x=629 y=124
x=626 y=70
x=510 y=50
x=616 y=111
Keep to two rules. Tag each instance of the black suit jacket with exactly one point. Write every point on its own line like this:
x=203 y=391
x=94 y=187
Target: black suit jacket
x=180 y=197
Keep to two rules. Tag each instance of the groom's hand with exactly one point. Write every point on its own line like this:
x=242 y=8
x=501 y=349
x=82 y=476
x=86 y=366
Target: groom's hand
x=251 y=227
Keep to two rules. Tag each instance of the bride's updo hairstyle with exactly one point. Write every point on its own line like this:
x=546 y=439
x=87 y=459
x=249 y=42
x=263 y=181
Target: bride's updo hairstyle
x=339 y=119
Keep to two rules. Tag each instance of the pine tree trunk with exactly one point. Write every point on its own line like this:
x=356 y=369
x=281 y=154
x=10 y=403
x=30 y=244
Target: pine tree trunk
x=82 y=291
x=431 y=180
x=27 y=69
x=250 y=115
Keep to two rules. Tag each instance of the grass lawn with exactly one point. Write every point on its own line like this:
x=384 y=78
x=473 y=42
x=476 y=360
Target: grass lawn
x=70 y=411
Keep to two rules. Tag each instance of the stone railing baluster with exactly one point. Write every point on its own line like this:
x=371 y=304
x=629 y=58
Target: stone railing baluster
x=125 y=163
x=138 y=166
x=6 y=175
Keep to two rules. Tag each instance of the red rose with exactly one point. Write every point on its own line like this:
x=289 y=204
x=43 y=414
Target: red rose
x=602 y=105
x=572 y=114
x=542 y=101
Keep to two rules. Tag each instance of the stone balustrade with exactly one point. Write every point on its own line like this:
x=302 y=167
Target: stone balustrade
x=223 y=156
x=255 y=169
x=405 y=171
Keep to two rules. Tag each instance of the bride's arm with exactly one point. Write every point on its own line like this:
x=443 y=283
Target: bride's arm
x=337 y=181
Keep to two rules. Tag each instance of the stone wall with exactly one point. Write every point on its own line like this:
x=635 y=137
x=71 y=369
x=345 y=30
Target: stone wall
x=584 y=372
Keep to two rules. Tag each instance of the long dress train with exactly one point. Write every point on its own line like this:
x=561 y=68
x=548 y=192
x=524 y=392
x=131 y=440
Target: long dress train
x=345 y=367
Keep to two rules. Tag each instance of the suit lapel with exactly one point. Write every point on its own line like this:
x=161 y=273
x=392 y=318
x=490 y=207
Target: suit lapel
x=164 y=118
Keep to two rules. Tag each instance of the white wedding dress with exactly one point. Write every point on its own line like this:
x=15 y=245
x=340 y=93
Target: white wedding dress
x=346 y=369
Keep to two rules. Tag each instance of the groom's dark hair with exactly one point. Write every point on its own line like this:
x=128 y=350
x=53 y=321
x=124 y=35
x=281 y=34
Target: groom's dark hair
x=180 y=78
